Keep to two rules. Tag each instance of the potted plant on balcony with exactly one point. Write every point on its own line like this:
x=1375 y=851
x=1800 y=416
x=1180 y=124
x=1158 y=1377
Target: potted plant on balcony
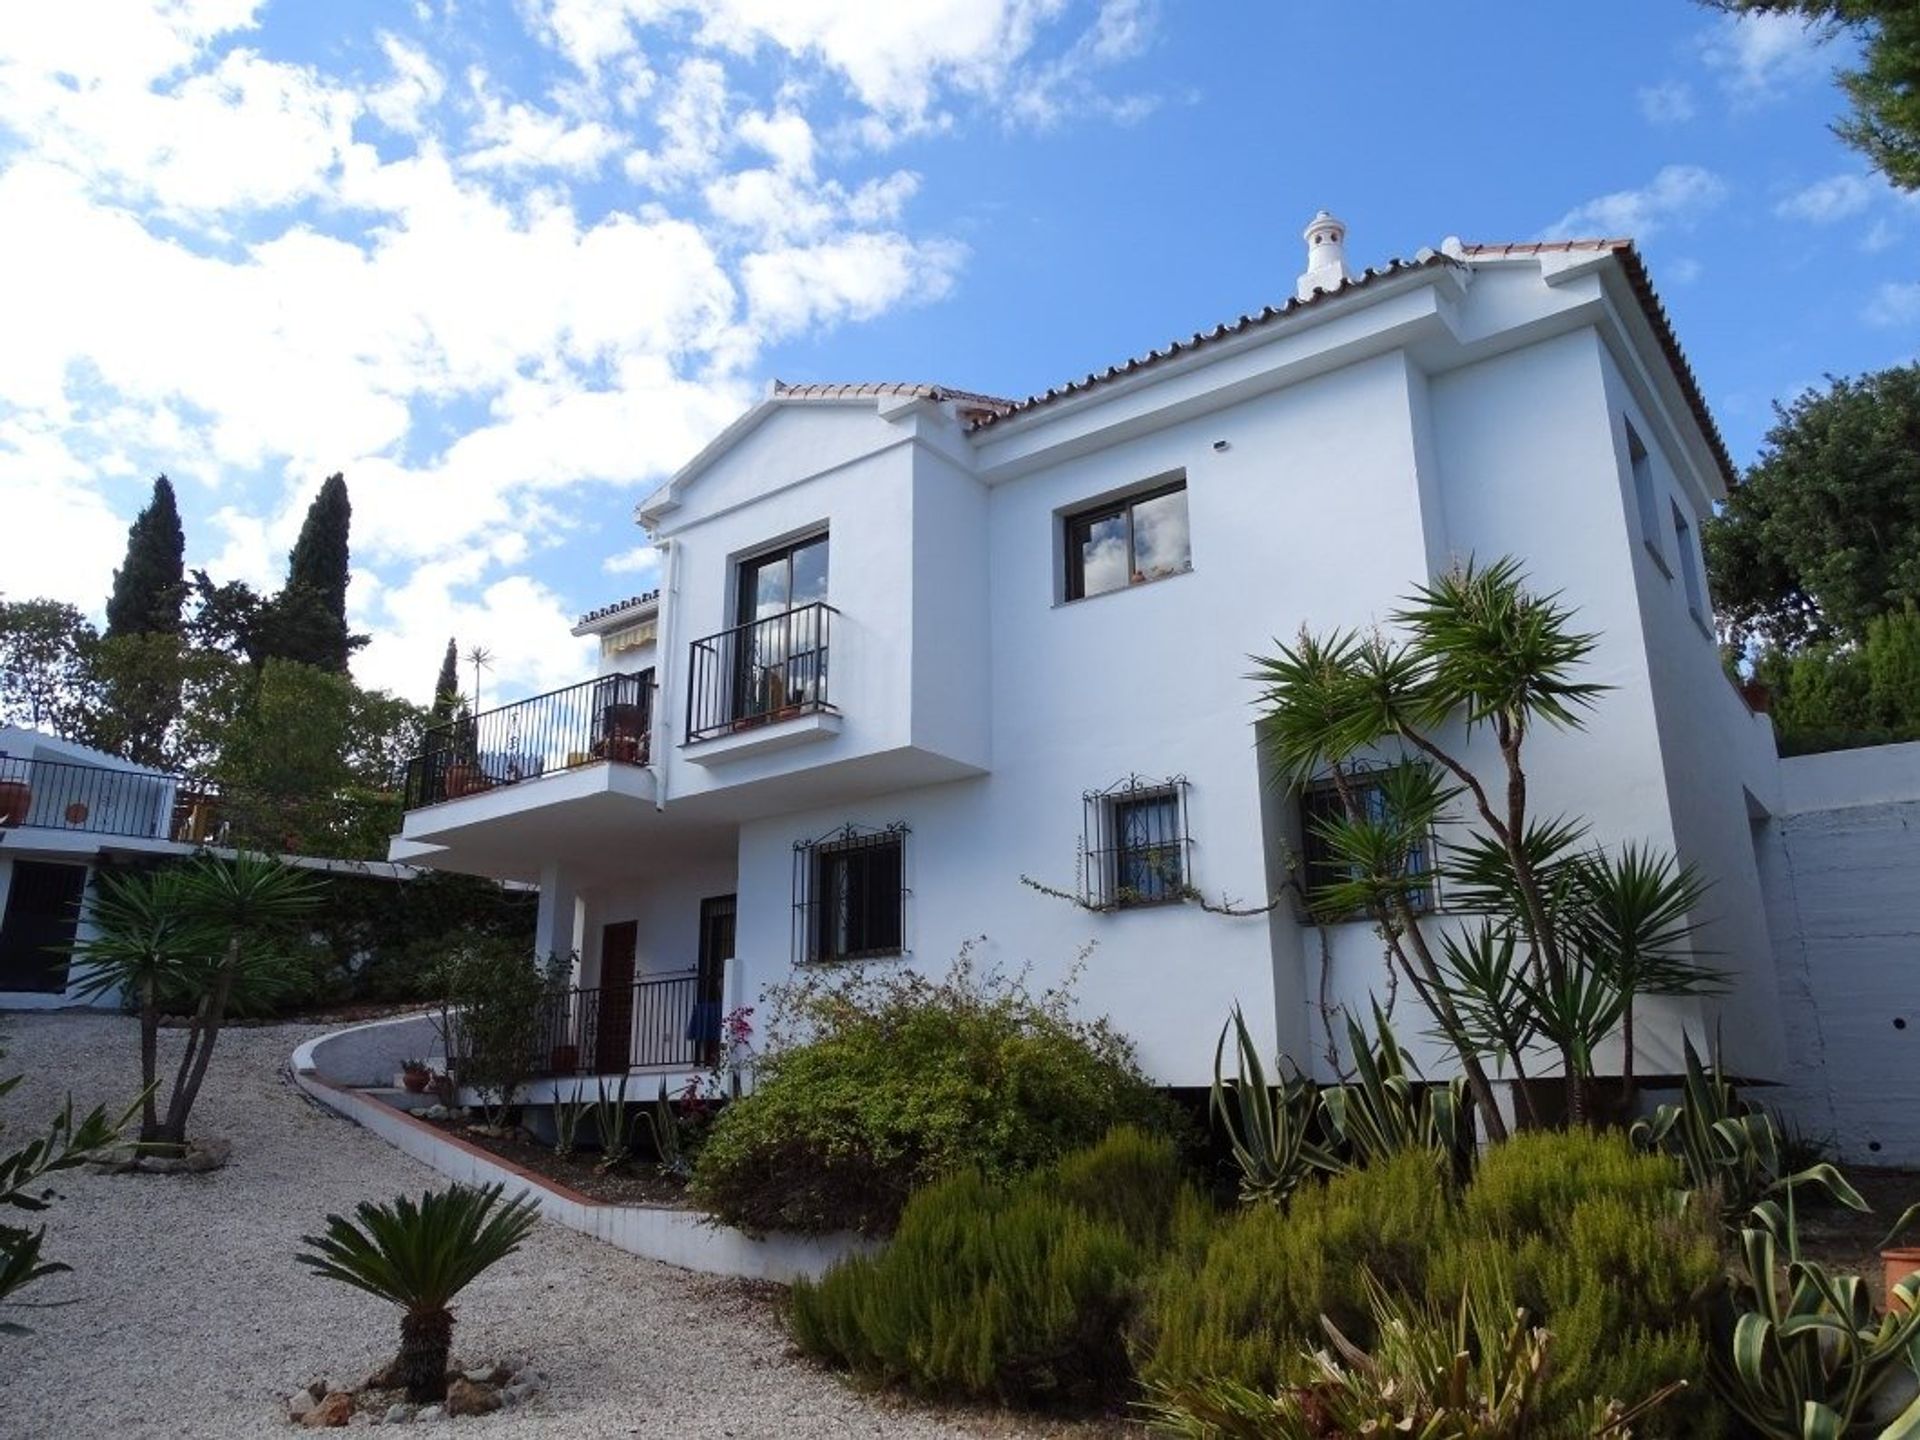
x=16 y=796
x=463 y=775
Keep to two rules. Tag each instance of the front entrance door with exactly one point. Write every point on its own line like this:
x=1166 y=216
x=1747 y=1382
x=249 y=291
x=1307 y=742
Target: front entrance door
x=43 y=911
x=716 y=948
x=613 y=1042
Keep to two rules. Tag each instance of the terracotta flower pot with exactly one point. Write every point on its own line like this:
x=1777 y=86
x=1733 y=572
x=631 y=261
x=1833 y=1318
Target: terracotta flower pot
x=565 y=1059
x=416 y=1081
x=462 y=779
x=1897 y=1265
x=15 y=798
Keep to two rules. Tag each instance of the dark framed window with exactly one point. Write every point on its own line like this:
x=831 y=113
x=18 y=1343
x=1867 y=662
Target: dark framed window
x=1321 y=803
x=1128 y=541
x=1136 y=844
x=850 y=894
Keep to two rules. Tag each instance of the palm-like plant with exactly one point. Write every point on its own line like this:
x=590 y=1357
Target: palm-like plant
x=205 y=934
x=420 y=1255
x=1269 y=1128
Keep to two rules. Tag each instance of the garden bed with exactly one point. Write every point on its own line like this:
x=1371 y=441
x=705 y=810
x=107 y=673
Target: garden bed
x=638 y=1183
x=1847 y=1240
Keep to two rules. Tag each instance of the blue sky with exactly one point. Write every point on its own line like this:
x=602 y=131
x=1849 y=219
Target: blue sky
x=508 y=262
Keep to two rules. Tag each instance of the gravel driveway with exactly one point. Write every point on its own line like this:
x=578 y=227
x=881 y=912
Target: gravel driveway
x=187 y=1315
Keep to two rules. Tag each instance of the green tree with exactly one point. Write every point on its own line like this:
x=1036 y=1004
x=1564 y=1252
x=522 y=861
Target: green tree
x=44 y=672
x=120 y=714
x=212 y=933
x=1823 y=533
x=1833 y=696
x=150 y=586
x=310 y=762
x=446 y=687
x=1570 y=932
x=1885 y=89
x=307 y=621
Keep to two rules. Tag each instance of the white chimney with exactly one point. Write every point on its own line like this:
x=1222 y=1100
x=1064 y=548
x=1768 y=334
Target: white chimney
x=1326 y=269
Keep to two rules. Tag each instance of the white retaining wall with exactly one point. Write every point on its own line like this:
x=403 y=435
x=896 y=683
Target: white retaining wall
x=1840 y=869
x=674 y=1237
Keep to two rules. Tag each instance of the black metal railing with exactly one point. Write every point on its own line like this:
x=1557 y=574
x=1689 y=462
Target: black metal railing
x=657 y=1021
x=760 y=672
x=609 y=719
x=104 y=800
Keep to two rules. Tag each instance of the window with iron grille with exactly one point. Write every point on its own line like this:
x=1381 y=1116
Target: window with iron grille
x=1135 y=843
x=1320 y=804
x=850 y=894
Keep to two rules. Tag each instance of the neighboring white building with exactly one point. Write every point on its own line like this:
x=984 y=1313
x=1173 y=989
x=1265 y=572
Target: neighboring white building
x=914 y=644
x=66 y=811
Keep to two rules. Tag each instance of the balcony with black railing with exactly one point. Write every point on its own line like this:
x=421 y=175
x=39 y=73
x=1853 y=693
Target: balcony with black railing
x=759 y=673
x=603 y=721
x=657 y=1022
x=124 y=802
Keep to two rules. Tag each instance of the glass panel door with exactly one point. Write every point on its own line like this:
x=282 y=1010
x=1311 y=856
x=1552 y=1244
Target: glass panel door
x=781 y=656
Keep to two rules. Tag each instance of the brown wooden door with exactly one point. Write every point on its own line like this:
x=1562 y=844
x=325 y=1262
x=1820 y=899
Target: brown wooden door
x=613 y=1045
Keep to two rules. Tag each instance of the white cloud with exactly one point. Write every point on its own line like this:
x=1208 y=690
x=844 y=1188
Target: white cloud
x=1668 y=103
x=416 y=87
x=1894 y=304
x=1683 y=271
x=855 y=279
x=228 y=279
x=1825 y=201
x=514 y=138
x=1678 y=195
x=1758 y=57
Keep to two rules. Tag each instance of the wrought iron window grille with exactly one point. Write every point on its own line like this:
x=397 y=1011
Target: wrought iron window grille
x=1320 y=802
x=850 y=894
x=1135 y=844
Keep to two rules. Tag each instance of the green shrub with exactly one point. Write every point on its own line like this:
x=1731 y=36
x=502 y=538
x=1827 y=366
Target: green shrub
x=1590 y=1236
x=1583 y=1231
x=1015 y=1293
x=894 y=1080
x=1254 y=1299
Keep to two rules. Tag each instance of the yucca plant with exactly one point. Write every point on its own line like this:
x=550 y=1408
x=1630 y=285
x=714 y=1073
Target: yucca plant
x=1388 y=1108
x=1731 y=1150
x=1269 y=1129
x=1812 y=1360
x=665 y=1127
x=420 y=1255
x=613 y=1122
x=567 y=1115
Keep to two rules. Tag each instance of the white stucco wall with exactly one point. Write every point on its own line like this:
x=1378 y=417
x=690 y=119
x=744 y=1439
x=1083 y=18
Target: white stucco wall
x=1841 y=866
x=1331 y=464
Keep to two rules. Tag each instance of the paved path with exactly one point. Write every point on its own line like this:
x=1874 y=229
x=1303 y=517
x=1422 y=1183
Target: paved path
x=189 y=1317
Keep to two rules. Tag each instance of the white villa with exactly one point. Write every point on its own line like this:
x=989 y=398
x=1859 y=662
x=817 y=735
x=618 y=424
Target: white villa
x=913 y=644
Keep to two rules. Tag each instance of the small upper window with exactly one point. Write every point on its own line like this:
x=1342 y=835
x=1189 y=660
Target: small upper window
x=1128 y=541
x=1689 y=565
x=1320 y=804
x=1644 y=498
x=1136 y=843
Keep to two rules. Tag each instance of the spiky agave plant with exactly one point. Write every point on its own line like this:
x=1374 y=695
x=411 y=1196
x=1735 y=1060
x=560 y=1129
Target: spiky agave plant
x=419 y=1256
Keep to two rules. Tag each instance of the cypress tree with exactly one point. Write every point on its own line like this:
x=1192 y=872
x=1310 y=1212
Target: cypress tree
x=151 y=586
x=446 y=690
x=309 y=619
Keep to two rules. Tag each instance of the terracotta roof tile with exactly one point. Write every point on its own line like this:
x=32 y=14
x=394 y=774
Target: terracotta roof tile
x=877 y=388
x=630 y=603
x=1265 y=316
x=1622 y=249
